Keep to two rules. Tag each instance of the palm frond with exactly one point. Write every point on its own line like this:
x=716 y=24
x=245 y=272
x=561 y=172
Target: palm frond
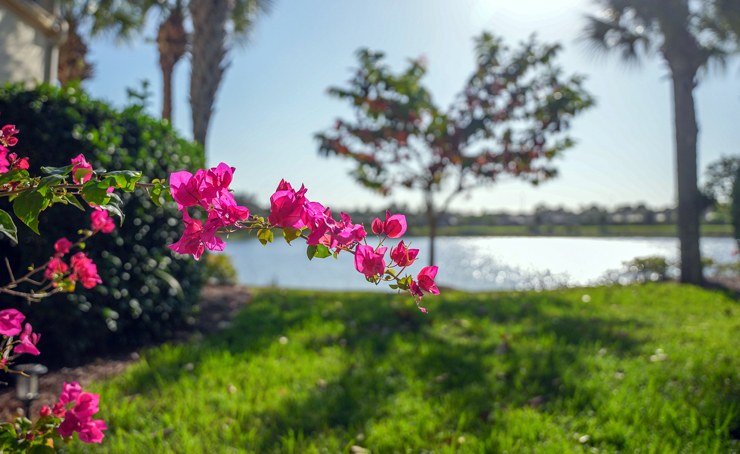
x=244 y=18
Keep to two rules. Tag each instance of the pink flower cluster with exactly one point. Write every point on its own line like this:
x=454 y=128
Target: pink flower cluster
x=6 y=135
x=84 y=270
x=78 y=418
x=371 y=262
x=208 y=189
x=291 y=208
x=10 y=325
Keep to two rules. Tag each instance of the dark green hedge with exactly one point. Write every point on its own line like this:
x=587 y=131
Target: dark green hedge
x=147 y=291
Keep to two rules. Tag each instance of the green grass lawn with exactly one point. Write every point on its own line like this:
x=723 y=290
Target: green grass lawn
x=303 y=372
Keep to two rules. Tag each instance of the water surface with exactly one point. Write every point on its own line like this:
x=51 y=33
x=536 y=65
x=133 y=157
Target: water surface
x=467 y=263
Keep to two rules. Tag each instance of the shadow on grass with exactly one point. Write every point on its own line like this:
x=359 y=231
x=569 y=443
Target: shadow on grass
x=455 y=353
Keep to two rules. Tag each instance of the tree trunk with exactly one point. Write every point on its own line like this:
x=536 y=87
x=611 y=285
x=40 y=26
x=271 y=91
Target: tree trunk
x=208 y=52
x=688 y=192
x=73 y=63
x=167 y=92
x=432 y=219
x=172 y=41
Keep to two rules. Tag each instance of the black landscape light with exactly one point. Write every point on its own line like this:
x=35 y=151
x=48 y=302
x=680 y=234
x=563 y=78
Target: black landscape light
x=27 y=383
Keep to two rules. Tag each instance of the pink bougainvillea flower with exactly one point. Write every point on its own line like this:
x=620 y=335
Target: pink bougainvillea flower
x=315 y=216
x=418 y=294
x=369 y=261
x=55 y=270
x=287 y=206
x=222 y=206
x=394 y=226
x=81 y=163
x=58 y=410
x=17 y=163
x=45 y=411
x=190 y=242
x=218 y=177
x=92 y=431
x=4 y=162
x=101 y=221
x=87 y=404
x=403 y=256
x=185 y=188
x=196 y=239
x=70 y=392
x=29 y=339
x=7 y=133
x=10 y=322
x=426 y=279
x=84 y=270
x=377 y=226
x=344 y=233
x=229 y=213
x=62 y=246
x=78 y=418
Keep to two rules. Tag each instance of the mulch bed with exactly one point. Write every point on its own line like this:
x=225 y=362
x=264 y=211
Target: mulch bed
x=218 y=305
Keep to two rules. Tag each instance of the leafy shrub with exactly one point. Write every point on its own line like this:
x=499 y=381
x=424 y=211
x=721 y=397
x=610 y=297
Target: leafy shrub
x=654 y=268
x=147 y=289
x=219 y=269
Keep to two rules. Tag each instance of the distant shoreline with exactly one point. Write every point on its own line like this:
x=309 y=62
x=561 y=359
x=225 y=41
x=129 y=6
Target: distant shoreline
x=625 y=230
x=606 y=231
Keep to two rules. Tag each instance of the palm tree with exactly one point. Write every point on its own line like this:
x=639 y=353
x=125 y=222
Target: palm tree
x=120 y=18
x=688 y=36
x=218 y=25
x=172 y=44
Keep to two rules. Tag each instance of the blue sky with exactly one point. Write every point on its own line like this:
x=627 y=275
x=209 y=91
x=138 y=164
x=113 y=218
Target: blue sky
x=273 y=99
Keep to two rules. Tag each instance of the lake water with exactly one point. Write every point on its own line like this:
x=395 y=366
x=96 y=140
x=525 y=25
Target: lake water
x=468 y=263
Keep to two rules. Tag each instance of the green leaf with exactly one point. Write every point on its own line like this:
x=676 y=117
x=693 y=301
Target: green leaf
x=45 y=182
x=265 y=236
x=170 y=280
x=73 y=200
x=95 y=192
x=42 y=449
x=125 y=179
x=80 y=174
x=394 y=287
x=159 y=193
x=58 y=170
x=7 y=226
x=113 y=208
x=13 y=176
x=28 y=205
x=290 y=234
x=311 y=252
x=322 y=252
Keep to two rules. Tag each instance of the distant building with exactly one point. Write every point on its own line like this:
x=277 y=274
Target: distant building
x=30 y=35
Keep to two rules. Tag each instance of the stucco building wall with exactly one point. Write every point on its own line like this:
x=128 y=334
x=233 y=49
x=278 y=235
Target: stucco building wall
x=30 y=34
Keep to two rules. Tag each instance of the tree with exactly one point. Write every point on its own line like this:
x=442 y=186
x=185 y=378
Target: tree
x=218 y=25
x=723 y=187
x=121 y=18
x=510 y=118
x=172 y=44
x=688 y=36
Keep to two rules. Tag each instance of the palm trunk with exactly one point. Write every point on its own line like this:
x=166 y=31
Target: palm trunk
x=208 y=53
x=688 y=193
x=432 y=219
x=72 y=63
x=172 y=40
x=167 y=92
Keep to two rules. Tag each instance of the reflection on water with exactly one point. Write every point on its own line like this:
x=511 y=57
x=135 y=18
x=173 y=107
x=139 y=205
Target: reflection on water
x=468 y=263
